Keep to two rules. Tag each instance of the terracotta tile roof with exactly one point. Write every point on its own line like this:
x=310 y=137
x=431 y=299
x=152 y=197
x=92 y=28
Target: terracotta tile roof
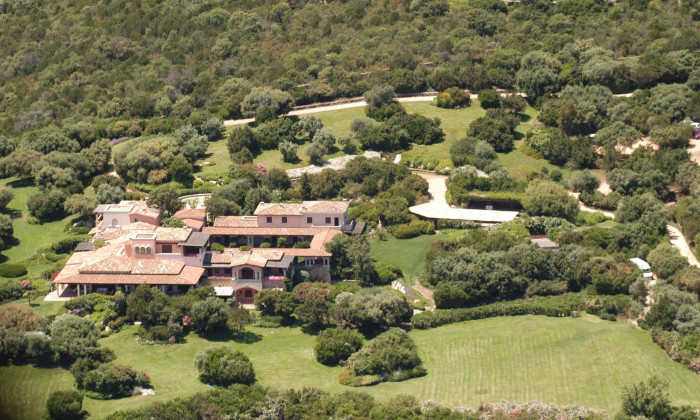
x=131 y=207
x=236 y=221
x=196 y=214
x=194 y=223
x=256 y=231
x=326 y=206
x=188 y=276
x=298 y=209
x=110 y=265
x=113 y=233
x=319 y=241
x=172 y=234
x=257 y=257
x=308 y=252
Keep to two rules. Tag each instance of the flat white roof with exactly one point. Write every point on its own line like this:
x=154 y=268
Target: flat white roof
x=643 y=265
x=475 y=215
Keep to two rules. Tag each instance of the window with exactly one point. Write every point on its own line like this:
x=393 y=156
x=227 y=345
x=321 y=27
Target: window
x=269 y=219
x=137 y=249
x=284 y=219
x=148 y=250
x=310 y=220
x=328 y=220
x=167 y=249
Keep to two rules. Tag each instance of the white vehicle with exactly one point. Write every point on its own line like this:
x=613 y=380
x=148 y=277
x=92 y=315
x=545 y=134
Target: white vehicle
x=644 y=266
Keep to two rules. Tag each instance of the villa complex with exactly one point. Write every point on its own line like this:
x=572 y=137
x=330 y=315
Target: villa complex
x=130 y=248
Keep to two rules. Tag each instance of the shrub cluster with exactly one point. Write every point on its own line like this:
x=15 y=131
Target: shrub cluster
x=555 y=306
x=413 y=229
x=390 y=357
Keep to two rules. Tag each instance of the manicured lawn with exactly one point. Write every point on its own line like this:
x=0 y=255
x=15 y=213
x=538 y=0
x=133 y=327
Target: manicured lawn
x=29 y=237
x=455 y=123
x=583 y=361
x=219 y=161
x=407 y=254
x=25 y=389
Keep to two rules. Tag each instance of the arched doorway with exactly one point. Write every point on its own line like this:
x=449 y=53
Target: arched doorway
x=247 y=274
x=246 y=295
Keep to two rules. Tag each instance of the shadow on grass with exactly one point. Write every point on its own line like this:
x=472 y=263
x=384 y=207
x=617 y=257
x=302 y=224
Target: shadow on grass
x=524 y=117
x=244 y=337
x=22 y=183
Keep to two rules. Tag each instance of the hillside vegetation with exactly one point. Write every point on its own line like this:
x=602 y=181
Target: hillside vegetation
x=123 y=65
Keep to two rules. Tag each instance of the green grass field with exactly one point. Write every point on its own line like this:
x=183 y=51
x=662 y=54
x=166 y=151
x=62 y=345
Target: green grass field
x=407 y=254
x=29 y=237
x=583 y=361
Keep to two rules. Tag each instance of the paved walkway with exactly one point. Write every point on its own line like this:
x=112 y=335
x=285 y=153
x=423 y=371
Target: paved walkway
x=438 y=208
x=334 y=107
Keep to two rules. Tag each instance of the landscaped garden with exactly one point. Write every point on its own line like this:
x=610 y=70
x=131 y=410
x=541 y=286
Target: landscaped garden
x=467 y=363
x=454 y=122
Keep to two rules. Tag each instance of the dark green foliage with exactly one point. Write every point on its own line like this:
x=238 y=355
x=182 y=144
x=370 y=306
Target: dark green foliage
x=65 y=405
x=351 y=259
x=489 y=98
x=647 y=399
x=209 y=315
x=223 y=366
x=12 y=270
x=167 y=198
x=46 y=205
x=497 y=132
x=550 y=306
x=146 y=304
x=73 y=337
x=392 y=356
x=334 y=345
x=114 y=381
x=452 y=98
x=545 y=198
x=413 y=229
x=665 y=261
x=277 y=303
x=371 y=309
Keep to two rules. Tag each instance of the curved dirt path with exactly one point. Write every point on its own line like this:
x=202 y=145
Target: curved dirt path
x=678 y=241
x=335 y=107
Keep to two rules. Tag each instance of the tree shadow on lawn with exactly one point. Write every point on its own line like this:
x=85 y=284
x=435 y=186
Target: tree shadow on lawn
x=22 y=183
x=243 y=337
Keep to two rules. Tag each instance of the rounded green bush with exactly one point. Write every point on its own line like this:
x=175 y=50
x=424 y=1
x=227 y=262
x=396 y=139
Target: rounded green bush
x=12 y=270
x=65 y=405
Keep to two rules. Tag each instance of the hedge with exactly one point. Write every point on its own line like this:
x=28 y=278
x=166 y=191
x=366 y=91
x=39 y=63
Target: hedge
x=12 y=270
x=554 y=306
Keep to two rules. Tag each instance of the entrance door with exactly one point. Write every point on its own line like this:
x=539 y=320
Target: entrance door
x=336 y=221
x=251 y=240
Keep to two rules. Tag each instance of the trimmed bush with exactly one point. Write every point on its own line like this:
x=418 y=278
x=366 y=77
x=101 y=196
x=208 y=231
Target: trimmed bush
x=413 y=229
x=303 y=244
x=114 y=381
x=392 y=357
x=65 y=405
x=217 y=247
x=224 y=366
x=334 y=345
x=387 y=272
x=554 y=306
x=12 y=270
